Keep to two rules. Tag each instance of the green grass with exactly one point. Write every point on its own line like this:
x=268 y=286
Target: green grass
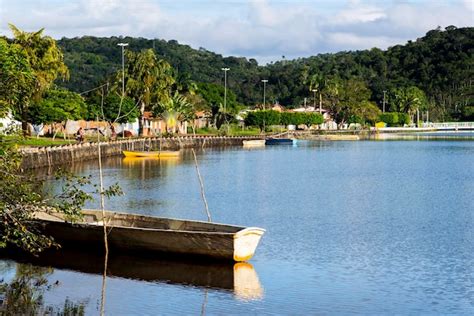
x=245 y=132
x=38 y=142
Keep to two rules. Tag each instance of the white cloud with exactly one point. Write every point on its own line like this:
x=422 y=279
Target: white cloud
x=262 y=29
x=358 y=13
x=355 y=41
x=469 y=4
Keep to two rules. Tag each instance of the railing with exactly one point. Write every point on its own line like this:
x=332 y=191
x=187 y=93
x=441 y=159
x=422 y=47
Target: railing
x=450 y=125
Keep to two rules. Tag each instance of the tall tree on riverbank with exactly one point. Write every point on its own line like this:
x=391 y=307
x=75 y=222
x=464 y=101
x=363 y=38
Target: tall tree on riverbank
x=173 y=110
x=46 y=62
x=16 y=77
x=409 y=100
x=148 y=80
x=347 y=99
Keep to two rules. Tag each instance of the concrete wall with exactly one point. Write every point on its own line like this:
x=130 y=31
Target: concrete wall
x=36 y=157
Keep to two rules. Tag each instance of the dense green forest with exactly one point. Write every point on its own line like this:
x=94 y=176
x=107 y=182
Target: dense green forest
x=441 y=64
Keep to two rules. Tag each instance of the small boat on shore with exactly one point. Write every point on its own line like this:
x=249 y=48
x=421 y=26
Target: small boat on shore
x=279 y=141
x=254 y=143
x=147 y=234
x=152 y=154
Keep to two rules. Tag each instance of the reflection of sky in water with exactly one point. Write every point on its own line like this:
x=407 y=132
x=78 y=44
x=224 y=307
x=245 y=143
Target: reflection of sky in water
x=438 y=135
x=366 y=227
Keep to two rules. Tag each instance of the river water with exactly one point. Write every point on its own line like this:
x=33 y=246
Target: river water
x=370 y=227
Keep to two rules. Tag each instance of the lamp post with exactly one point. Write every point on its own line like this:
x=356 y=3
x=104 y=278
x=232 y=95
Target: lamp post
x=225 y=93
x=314 y=100
x=383 y=108
x=264 y=83
x=123 y=67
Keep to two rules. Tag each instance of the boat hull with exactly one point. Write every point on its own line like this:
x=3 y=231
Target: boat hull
x=151 y=154
x=146 y=235
x=254 y=143
x=279 y=141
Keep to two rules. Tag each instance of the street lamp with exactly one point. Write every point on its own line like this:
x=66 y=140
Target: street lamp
x=314 y=101
x=384 y=91
x=123 y=67
x=264 y=83
x=225 y=92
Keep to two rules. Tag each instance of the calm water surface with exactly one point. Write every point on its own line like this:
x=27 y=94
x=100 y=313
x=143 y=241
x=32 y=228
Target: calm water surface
x=352 y=227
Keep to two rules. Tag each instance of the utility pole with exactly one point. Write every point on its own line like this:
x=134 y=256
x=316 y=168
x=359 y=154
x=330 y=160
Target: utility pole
x=123 y=67
x=264 y=83
x=417 y=117
x=320 y=103
x=383 y=108
x=225 y=95
x=314 y=99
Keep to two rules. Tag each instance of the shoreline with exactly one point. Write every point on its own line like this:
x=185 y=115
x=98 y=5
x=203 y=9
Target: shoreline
x=38 y=157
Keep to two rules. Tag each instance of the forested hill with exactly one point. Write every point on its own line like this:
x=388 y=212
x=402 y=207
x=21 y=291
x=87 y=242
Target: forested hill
x=441 y=64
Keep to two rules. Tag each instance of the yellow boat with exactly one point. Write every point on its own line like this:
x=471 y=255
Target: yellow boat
x=152 y=154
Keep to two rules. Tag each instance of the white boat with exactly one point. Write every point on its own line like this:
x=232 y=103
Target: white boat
x=254 y=143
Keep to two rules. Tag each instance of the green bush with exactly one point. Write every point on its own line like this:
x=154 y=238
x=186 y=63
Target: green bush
x=355 y=119
x=310 y=119
x=395 y=118
x=468 y=113
x=391 y=118
x=298 y=118
x=257 y=118
x=262 y=118
x=403 y=118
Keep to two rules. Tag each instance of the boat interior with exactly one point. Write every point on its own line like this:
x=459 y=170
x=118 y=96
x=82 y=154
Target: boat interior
x=94 y=217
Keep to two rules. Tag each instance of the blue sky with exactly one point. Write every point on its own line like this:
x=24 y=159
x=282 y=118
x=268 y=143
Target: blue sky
x=261 y=29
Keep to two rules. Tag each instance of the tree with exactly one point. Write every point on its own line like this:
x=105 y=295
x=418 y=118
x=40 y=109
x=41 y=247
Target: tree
x=174 y=110
x=107 y=108
x=409 y=99
x=310 y=119
x=367 y=111
x=16 y=77
x=46 y=62
x=347 y=98
x=317 y=82
x=59 y=105
x=262 y=118
x=213 y=94
x=148 y=80
x=21 y=196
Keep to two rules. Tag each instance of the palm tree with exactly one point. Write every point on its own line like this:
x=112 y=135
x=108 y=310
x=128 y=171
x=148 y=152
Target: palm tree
x=318 y=82
x=173 y=110
x=409 y=100
x=46 y=62
x=148 y=80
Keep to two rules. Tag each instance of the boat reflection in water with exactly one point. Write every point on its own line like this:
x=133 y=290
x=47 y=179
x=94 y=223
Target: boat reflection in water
x=246 y=283
x=240 y=278
x=145 y=161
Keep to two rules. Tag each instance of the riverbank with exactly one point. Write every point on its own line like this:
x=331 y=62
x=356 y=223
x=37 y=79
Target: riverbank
x=38 y=157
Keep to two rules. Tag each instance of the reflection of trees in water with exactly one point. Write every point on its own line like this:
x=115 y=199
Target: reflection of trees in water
x=24 y=295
